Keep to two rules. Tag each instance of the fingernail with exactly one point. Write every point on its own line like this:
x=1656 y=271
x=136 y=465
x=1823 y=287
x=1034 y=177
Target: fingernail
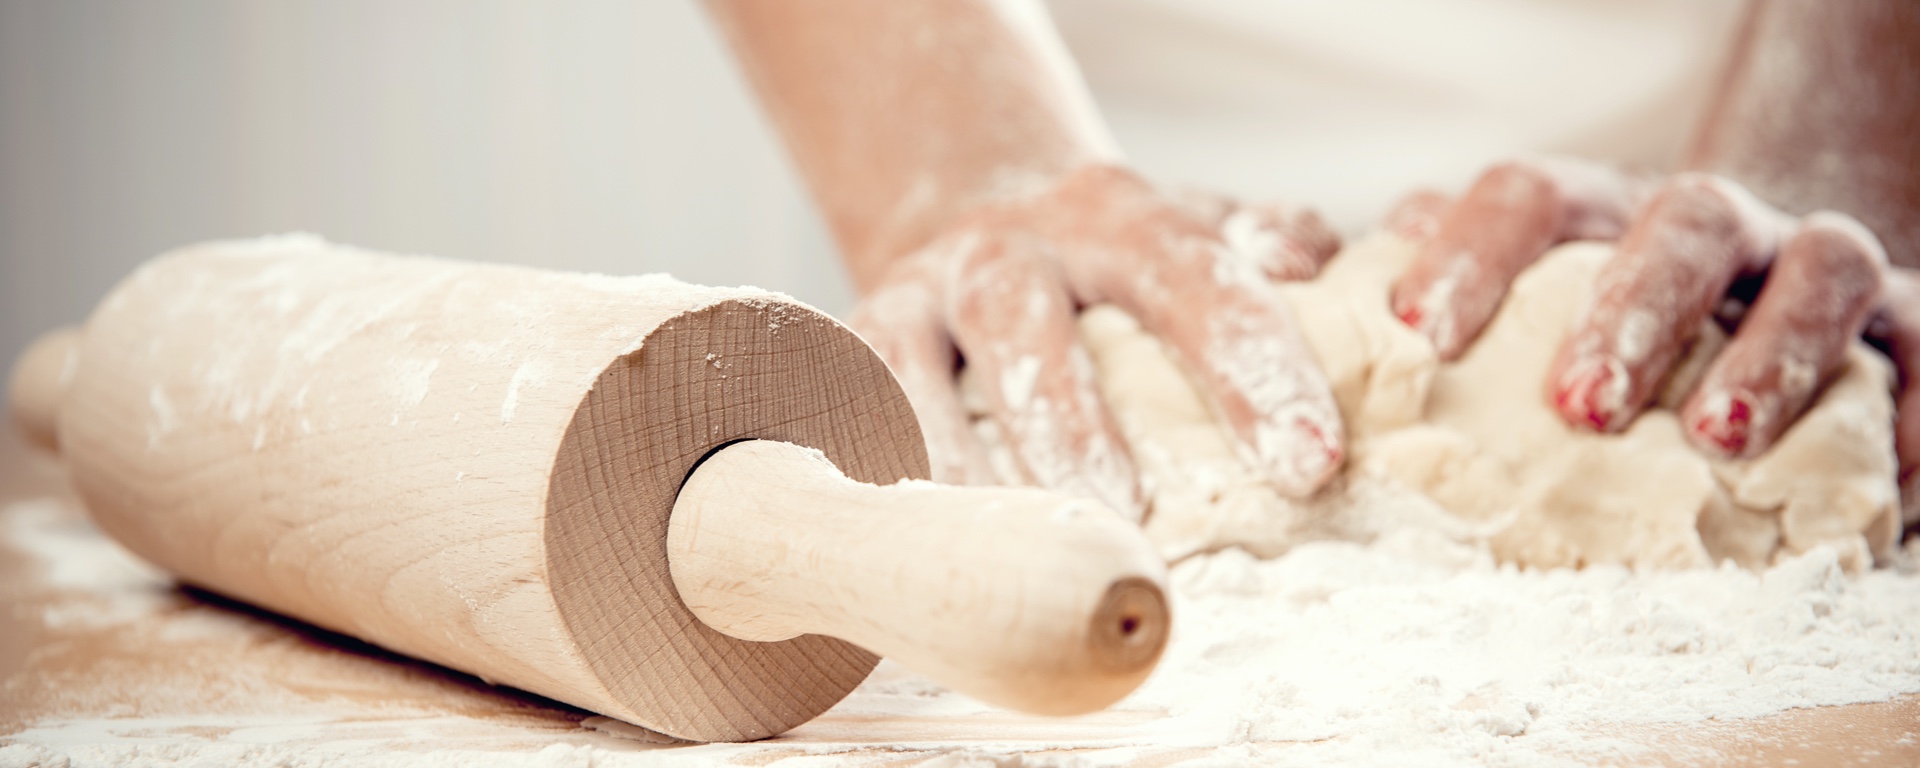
x=1727 y=424
x=1432 y=317
x=1592 y=394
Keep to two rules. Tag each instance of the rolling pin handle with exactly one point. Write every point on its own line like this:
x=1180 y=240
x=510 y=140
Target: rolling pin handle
x=39 y=383
x=1025 y=598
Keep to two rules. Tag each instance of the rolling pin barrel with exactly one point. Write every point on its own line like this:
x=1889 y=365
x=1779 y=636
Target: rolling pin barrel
x=669 y=504
x=39 y=381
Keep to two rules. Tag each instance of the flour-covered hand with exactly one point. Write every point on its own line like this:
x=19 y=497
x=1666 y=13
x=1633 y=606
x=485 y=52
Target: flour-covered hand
x=1693 y=248
x=999 y=293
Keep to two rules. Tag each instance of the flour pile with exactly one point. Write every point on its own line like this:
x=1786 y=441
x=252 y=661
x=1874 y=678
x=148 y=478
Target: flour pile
x=1418 y=651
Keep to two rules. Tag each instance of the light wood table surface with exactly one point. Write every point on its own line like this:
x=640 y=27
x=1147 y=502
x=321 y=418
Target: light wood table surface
x=190 y=671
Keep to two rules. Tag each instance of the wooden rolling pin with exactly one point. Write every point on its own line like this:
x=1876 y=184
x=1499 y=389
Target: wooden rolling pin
x=588 y=487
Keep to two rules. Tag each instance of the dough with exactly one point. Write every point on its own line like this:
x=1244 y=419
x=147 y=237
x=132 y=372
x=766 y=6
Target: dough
x=1477 y=440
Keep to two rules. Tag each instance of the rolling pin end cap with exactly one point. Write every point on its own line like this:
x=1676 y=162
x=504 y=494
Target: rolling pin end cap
x=1130 y=627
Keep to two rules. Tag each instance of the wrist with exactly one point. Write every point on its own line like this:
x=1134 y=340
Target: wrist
x=1045 y=195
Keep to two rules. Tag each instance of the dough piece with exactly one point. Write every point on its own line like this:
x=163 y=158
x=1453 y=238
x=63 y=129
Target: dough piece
x=1830 y=477
x=1567 y=498
x=1380 y=371
x=1644 y=498
x=1203 y=496
x=1476 y=438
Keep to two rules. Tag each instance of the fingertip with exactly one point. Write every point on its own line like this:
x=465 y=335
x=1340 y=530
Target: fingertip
x=1322 y=454
x=1411 y=316
x=1283 y=245
x=1668 y=274
x=1301 y=451
x=1417 y=216
x=1428 y=308
x=1238 y=338
x=1592 y=394
x=1725 y=424
x=1275 y=400
x=1817 y=298
x=1315 y=235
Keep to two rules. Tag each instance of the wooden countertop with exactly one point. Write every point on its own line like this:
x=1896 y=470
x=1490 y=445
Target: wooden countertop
x=172 y=674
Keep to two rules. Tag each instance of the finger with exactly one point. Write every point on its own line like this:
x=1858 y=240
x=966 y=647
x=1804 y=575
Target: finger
x=1120 y=243
x=1510 y=216
x=1818 y=296
x=1202 y=204
x=1896 y=331
x=1507 y=219
x=1670 y=271
x=1283 y=242
x=1232 y=331
x=1417 y=216
x=1014 y=323
x=903 y=323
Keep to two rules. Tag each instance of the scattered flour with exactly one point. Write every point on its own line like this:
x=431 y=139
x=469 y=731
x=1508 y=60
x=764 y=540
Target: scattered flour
x=1414 y=649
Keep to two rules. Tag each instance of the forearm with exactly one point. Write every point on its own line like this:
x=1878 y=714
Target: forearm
x=1817 y=109
x=904 y=114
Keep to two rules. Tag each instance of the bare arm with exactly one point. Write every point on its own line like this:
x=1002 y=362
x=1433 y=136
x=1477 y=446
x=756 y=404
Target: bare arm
x=905 y=115
x=1818 y=108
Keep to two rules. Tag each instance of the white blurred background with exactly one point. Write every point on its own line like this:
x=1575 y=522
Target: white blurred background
x=613 y=136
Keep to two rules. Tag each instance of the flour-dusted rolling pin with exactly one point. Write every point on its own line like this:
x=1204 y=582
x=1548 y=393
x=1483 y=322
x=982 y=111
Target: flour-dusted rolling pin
x=592 y=488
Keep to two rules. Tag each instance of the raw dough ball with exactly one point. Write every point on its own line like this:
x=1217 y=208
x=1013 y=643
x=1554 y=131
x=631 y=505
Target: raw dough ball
x=1477 y=439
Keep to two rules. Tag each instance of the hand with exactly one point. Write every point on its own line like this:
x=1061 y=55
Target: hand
x=1895 y=330
x=1683 y=244
x=999 y=291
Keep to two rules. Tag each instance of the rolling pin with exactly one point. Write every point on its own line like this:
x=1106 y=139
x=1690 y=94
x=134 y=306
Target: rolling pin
x=648 y=499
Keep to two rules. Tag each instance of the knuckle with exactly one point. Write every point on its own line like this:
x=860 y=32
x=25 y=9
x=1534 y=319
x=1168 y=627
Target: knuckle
x=1697 y=194
x=1314 y=234
x=1695 y=183
x=1201 y=205
x=1837 y=258
x=1710 y=201
x=1845 y=236
x=1103 y=175
x=1517 y=176
x=980 y=255
x=1005 y=282
x=904 y=299
x=1516 y=168
x=1696 y=201
x=1415 y=215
